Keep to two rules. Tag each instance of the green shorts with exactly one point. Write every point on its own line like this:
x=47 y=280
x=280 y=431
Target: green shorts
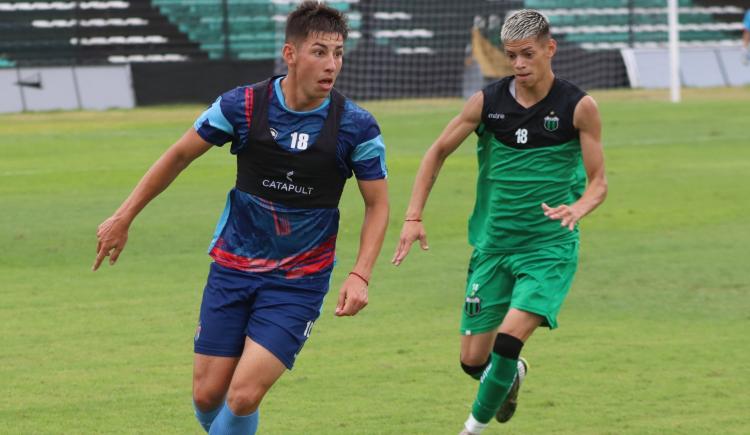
x=534 y=281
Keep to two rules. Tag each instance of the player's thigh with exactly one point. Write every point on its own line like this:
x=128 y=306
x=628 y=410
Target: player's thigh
x=520 y=324
x=489 y=287
x=256 y=372
x=544 y=278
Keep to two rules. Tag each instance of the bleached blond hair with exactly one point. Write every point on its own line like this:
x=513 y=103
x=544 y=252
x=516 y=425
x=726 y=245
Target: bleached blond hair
x=524 y=24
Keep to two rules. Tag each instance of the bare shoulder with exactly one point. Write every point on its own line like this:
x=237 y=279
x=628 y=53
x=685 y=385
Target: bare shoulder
x=472 y=111
x=586 y=113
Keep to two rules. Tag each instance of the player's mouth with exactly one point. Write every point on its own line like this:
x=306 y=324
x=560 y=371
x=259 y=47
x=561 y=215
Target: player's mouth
x=326 y=84
x=523 y=77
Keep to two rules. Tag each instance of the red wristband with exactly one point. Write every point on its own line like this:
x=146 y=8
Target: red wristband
x=413 y=220
x=360 y=277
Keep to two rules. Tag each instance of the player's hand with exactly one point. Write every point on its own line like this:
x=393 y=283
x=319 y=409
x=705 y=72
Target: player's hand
x=410 y=232
x=112 y=236
x=352 y=296
x=567 y=215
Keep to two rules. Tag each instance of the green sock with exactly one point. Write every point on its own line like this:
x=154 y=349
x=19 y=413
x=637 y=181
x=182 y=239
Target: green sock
x=494 y=387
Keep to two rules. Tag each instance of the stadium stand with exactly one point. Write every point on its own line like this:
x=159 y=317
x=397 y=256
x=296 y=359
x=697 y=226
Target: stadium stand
x=397 y=49
x=412 y=49
x=644 y=25
x=37 y=33
x=255 y=28
x=591 y=33
x=249 y=24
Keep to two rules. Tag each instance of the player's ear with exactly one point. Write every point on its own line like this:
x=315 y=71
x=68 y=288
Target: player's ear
x=551 y=47
x=289 y=53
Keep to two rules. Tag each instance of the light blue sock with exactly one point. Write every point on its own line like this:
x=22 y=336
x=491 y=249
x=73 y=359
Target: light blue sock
x=206 y=418
x=226 y=423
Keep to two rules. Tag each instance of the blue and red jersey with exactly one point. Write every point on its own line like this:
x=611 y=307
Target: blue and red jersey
x=257 y=235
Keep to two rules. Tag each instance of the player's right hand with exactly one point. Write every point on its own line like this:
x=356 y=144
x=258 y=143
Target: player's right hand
x=112 y=236
x=410 y=232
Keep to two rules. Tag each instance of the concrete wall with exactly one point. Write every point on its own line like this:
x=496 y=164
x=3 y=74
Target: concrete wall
x=66 y=88
x=699 y=67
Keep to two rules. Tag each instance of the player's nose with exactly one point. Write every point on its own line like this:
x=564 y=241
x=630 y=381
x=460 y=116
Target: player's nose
x=330 y=63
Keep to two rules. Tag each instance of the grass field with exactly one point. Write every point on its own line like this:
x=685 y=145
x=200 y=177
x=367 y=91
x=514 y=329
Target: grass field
x=653 y=337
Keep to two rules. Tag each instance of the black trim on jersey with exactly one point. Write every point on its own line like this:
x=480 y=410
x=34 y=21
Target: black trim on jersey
x=547 y=123
x=303 y=179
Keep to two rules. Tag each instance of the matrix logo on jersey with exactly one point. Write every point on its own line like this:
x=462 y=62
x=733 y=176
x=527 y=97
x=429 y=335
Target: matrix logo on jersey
x=473 y=304
x=287 y=186
x=551 y=122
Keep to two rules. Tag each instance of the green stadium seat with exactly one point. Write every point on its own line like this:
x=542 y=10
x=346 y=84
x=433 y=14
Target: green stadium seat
x=254 y=34
x=569 y=4
x=560 y=17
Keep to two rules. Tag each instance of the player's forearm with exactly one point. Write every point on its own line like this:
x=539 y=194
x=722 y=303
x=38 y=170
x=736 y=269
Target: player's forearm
x=595 y=194
x=426 y=177
x=371 y=237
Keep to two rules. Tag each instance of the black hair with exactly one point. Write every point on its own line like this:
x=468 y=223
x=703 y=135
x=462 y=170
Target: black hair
x=314 y=17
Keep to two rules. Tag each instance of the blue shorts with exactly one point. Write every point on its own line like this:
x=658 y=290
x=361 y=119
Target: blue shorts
x=274 y=312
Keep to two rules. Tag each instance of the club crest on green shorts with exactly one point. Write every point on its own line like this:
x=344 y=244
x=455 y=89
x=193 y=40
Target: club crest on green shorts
x=473 y=303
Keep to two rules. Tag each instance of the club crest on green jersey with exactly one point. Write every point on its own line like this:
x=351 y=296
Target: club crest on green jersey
x=551 y=122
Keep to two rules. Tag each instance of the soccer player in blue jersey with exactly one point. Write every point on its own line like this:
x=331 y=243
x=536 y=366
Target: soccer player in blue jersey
x=746 y=38
x=296 y=140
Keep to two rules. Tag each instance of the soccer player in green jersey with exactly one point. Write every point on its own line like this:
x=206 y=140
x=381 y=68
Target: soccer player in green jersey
x=539 y=142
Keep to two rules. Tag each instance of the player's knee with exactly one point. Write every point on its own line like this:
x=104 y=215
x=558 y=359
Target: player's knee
x=507 y=346
x=474 y=370
x=206 y=403
x=206 y=399
x=244 y=401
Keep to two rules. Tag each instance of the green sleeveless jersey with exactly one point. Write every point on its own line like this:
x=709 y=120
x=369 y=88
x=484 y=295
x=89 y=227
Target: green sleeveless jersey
x=527 y=156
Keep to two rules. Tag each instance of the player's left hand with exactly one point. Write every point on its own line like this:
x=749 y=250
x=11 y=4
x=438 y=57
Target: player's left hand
x=566 y=214
x=352 y=296
x=412 y=231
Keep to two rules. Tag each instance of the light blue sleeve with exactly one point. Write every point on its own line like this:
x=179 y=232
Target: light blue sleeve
x=747 y=20
x=215 y=118
x=368 y=159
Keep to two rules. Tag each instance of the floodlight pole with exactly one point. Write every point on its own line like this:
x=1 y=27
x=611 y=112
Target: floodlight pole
x=674 y=50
